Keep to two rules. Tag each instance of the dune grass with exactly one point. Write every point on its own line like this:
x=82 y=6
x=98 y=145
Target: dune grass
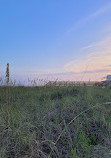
x=33 y=118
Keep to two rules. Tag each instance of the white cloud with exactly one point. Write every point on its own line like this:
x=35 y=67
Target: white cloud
x=93 y=64
x=96 y=60
x=83 y=21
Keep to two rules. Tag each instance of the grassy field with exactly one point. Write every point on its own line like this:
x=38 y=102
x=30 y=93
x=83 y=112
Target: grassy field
x=38 y=122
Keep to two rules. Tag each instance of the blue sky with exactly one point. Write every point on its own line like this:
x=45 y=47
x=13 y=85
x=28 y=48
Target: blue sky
x=40 y=37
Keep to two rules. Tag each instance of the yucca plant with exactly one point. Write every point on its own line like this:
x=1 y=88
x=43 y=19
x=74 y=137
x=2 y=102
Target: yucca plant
x=7 y=74
x=7 y=93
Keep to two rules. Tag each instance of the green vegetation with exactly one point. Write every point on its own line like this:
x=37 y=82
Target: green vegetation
x=35 y=122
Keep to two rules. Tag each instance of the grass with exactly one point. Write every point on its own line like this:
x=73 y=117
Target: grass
x=56 y=122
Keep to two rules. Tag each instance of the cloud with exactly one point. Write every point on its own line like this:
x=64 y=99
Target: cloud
x=83 y=21
x=95 y=63
x=108 y=65
x=62 y=73
x=87 y=47
x=97 y=71
x=96 y=59
x=81 y=72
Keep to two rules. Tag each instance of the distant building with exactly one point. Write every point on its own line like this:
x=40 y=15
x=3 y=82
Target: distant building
x=108 y=78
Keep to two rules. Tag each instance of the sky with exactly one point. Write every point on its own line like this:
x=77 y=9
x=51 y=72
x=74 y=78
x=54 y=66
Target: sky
x=59 y=39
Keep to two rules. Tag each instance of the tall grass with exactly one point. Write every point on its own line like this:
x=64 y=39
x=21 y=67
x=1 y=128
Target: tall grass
x=59 y=122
